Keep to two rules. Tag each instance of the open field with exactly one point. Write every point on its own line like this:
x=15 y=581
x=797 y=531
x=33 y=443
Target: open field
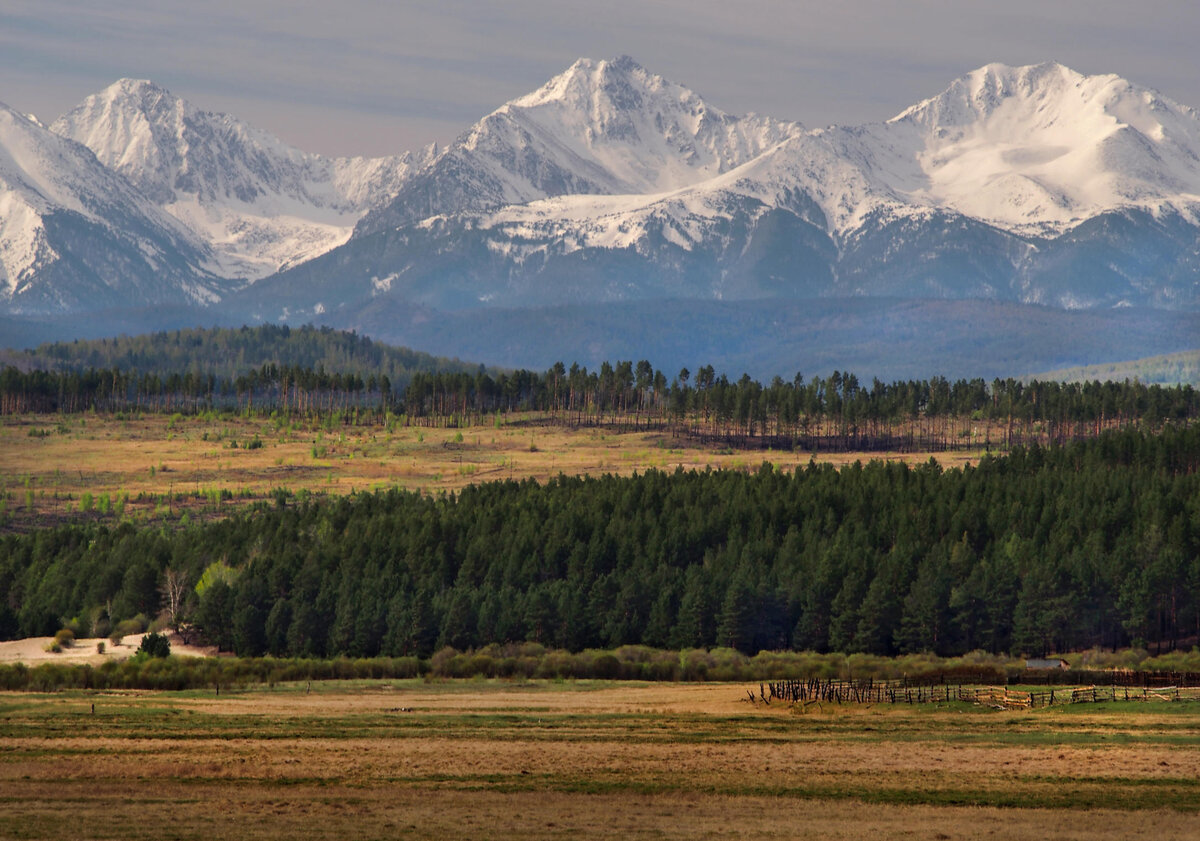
x=583 y=760
x=56 y=467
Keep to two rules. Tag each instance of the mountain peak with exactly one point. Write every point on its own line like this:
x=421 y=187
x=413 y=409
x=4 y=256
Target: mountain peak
x=621 y=81
x=979 y=92
x=137 y=96
x=75 y=234
x=129 y=85
x=1048 y=88
x=1043 y=147
x=261 y=202
x=607 y=127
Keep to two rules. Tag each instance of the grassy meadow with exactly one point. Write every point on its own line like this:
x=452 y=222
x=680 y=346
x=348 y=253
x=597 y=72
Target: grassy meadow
x=64 y=467
x=533 y=759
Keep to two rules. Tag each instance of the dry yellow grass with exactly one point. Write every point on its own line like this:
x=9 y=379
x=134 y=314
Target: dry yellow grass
x=44 y=476
x=495 y=760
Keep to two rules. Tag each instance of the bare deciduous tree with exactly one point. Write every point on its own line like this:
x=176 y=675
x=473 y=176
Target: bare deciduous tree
x=174 y=592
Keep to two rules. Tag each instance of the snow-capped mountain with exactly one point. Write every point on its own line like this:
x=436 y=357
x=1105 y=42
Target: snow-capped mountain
x=74 y=235
x=260 y=204
x=1031 y=150
x=608 y=184
x=1033 y=184
x=1040 y=149
x=598 y=128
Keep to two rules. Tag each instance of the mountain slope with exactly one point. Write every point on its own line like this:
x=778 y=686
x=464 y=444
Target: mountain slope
x=262 y=205
x=598 y=128
x=76 y=236
x=1182 y=368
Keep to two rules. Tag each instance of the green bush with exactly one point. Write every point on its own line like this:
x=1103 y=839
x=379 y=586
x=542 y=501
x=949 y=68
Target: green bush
x=64 y=638
x=155 y=645
x=606 y=667
x=126 y=628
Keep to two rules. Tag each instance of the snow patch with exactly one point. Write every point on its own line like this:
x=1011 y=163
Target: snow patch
x=380 y=285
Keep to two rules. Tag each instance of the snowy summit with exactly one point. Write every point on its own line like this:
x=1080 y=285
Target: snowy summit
x=1035 y=184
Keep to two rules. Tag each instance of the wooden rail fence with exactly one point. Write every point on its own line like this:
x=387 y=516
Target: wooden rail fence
x=869 y=691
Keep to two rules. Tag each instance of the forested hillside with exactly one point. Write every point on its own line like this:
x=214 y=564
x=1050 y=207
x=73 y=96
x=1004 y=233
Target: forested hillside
x=1170 y=368
x=1093 y=543
x=225 y=353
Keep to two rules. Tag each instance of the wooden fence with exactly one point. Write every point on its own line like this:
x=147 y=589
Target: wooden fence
x=1089 y=677
x=868 y=691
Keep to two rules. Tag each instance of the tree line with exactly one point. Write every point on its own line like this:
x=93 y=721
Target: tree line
x=837 y=411
x=1095 y=543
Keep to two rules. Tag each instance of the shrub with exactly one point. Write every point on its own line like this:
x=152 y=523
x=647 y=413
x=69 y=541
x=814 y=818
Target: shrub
x=131 y=626
x=442 y=660
x=98 y=623
x=64 y=638
x=127 y=627
x=606 y=667
x=155 y=645
x=100 y=647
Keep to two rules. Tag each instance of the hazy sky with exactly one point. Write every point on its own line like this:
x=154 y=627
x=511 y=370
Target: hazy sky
x=374 y=77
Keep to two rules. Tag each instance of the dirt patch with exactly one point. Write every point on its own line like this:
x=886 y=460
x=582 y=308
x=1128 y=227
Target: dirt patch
x=36 y=650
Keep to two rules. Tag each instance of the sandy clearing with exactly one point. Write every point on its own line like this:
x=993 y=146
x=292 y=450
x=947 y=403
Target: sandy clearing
x=34 y=651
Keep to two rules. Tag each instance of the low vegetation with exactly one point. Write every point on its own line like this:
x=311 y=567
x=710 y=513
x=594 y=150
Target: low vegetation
x=533 y=661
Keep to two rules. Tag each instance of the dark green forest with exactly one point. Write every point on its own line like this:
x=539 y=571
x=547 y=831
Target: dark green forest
x=1092 y=543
